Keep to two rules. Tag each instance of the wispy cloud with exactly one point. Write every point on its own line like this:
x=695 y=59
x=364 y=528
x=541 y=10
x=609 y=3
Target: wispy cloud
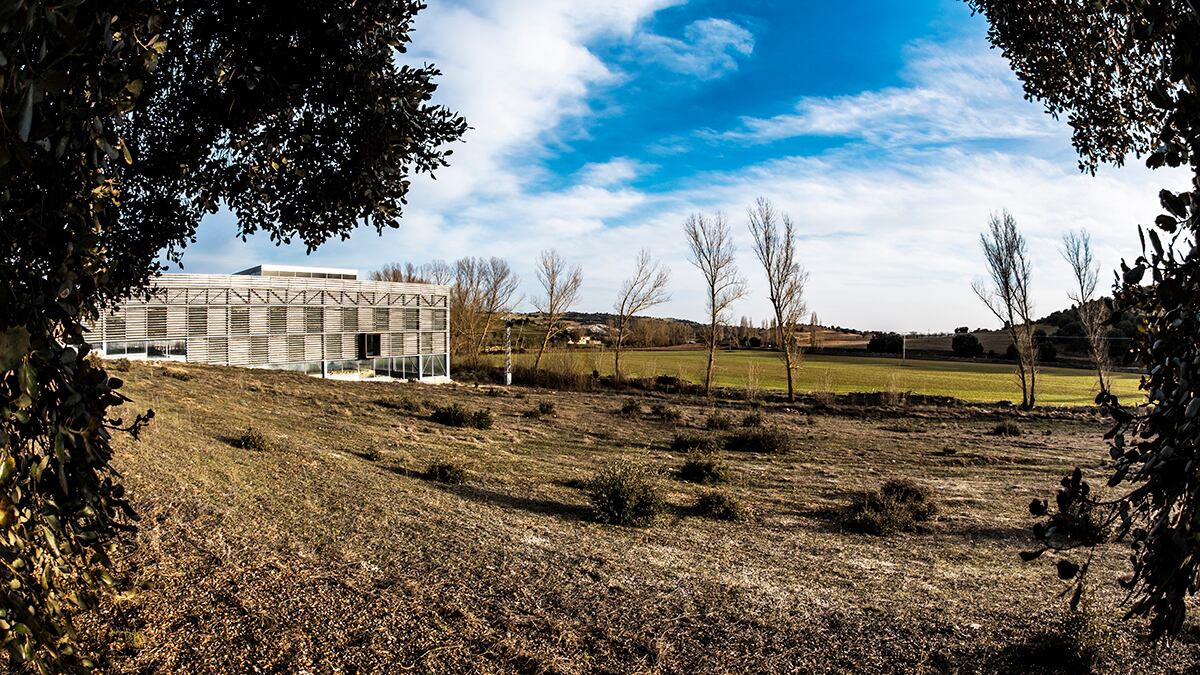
x=952 y=93
x=709 y=48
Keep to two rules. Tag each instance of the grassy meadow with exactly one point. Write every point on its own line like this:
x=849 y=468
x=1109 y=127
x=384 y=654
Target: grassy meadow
x=763 y=371
x=326 y=548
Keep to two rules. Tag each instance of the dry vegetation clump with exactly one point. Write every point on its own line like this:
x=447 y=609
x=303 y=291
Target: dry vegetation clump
x=1006 y=428
x=251 y=439
x=120 y=365
x=455 y=415
x=445 y=472
x=766 y=440
x=718 y=421
x=624 y=493
x=665 y=412
x=1067 y=641
x=632 y=407
x=695 y=443
x=543 y=409
x=705 y=468
x=404 y=403
x=181 y=375
x=753 y=419
x=897 y=506
x=721 y=506
x=371 y=455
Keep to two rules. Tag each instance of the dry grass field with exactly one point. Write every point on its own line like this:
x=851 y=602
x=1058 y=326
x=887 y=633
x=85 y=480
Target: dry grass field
x=327 y=552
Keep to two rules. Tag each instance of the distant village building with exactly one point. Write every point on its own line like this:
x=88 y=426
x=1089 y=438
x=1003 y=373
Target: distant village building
x=319 y=321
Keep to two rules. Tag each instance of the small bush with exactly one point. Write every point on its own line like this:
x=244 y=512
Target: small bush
x=455 y=415
x=494 y=392
x=623 y=493
x=445 y=472
x=1006 y=428
x=543 y=409
x=252 y=439
x=704 y=468
x=181 y=375
x=753 y=419
x=721 y=506
x=372 y=455
x=665 y=412
x=691 y=443
x=718 y=421
x=1069 y=641
x=761 y=439
x=631 y=407
x=897 y=506
x=121 y=365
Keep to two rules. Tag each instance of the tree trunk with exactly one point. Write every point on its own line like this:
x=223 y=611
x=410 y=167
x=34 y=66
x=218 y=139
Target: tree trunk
x=712 y=348
x=787 y=360
x=545 y=341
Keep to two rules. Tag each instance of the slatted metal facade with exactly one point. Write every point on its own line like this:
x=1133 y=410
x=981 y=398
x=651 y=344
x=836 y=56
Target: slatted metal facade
x=317 y=325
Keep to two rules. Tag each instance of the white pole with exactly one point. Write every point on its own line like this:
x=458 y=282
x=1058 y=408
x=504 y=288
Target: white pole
x=508 y=353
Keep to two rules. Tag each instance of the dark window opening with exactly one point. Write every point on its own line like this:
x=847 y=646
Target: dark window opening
x=368 y=345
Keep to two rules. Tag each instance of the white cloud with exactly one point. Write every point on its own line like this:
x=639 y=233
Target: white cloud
x=890 y=221
x=952 y=93
x=709 y=48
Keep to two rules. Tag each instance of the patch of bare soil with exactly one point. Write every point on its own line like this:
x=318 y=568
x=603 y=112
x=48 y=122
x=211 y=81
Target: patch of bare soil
x=328 y=551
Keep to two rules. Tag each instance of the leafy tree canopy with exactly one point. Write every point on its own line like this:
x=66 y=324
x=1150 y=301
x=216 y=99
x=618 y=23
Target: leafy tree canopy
x=1126 y=73
x=124 y=123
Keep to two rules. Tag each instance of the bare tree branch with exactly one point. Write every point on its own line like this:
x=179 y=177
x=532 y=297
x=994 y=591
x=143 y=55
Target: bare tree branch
x=645 y=289
x=561 y=285
x=786 y=279
x=712 y=252
x=1006 y=295
x=1077 y=251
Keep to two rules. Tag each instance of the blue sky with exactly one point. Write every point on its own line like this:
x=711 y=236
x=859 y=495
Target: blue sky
x=887 y=130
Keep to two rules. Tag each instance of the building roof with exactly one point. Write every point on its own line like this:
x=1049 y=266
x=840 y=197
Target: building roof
x=300 y=271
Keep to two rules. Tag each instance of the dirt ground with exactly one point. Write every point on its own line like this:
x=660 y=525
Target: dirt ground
x=328 y=553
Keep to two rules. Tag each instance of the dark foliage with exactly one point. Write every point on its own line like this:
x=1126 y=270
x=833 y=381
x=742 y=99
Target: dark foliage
x=543 y=409
x=631 y=407
x=624 y=493
x=705 y=468
x=1124 y=73
x=897 y=506
x=769 y=440
x=966 y=345
x=753 y=419
x=445 y=472
x=886 y=343
x=124 y=124
x=455 y=415
x=721 y=506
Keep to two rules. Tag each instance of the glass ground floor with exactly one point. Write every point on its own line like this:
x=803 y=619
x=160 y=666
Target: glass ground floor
x=433 y=367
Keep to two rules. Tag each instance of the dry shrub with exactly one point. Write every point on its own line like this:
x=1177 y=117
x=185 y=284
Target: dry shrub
x=252 y=439
x=704 y=468
x=624 y=493
x=445 y=472
x=718 y=421
x=897 y=506
x=768 y=440
x=120 y=365
x=753 y=419
x=1070 y=641
x=631 y=407
x=1006 y=428
x=372 y=455
x=181 y=375
x=455 y=415
x=665 y=412
x=543 y=409
x=721 y=506
x=695 y=443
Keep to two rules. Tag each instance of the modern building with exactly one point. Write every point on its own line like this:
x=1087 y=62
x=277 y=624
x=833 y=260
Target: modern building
x=320 y=321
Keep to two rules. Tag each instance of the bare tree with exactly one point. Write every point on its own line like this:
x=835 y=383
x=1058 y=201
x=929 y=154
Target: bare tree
x=775 y=248
x=433 y=272
x=1077 y=251
x=1006 y=294
x=561 y=285
x=484 y=289
x=712 y=252
x=645 y=289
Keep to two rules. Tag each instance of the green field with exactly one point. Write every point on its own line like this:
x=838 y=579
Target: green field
x=983 y=382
